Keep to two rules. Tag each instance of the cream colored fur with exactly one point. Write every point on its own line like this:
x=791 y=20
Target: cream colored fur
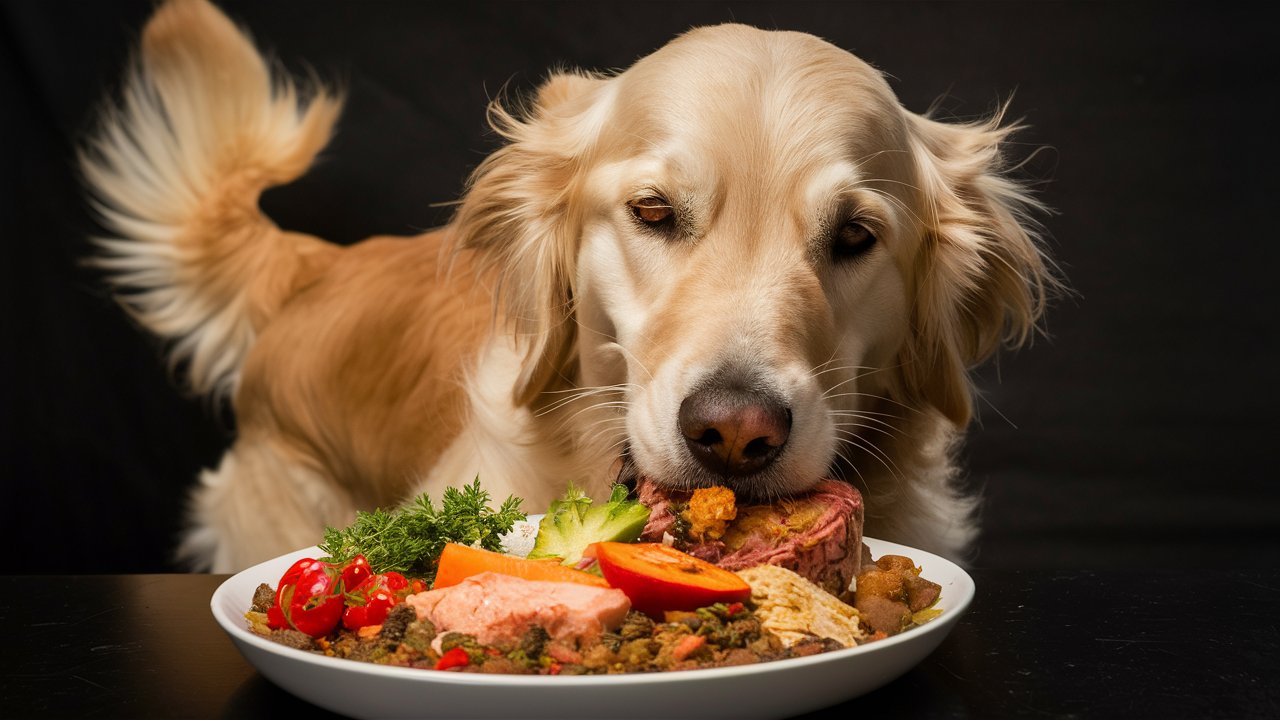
x=546 y=332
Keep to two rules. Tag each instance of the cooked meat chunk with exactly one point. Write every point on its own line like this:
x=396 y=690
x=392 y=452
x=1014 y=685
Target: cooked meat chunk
x=896 y=579
x=419 y=634
x=817 y=534
x=534 y=641
x=264 y=598
x=884 y=615
x=921 y=593
x=397 y=621
x=879 y=583
x=292 y=638
x=814 y=646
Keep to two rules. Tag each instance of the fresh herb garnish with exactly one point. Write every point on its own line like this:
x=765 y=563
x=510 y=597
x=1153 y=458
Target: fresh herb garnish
x=409 y=540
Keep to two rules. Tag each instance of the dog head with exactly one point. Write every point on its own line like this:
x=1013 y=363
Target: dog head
x=749 y=243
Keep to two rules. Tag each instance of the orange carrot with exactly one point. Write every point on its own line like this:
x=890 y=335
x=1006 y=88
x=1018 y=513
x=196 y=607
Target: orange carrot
x=687 y=646
x=459 y=562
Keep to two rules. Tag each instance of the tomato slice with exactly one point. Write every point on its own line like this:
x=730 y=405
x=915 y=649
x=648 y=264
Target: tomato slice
x=658 y=578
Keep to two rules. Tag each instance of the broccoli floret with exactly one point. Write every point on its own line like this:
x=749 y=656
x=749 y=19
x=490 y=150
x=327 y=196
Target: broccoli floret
x=574 y=522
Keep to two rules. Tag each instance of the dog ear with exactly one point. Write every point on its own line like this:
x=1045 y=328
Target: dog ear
x=520 y=215
x=982 y=279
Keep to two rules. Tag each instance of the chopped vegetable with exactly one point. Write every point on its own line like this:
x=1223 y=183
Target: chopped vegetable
x=308 y=598
x=658 y=578
x=687 y=646
x=457 y=657
x=410 y=539
x=574 y=522
x=355 y=572
x=369 y=601
x=459 y=562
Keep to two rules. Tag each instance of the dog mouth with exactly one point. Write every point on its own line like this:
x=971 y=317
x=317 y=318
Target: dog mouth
x=763 y=488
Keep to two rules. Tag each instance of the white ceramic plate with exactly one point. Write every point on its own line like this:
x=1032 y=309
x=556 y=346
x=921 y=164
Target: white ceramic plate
x=764 y=690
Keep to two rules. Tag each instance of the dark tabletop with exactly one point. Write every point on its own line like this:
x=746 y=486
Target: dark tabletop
x=1033 y=644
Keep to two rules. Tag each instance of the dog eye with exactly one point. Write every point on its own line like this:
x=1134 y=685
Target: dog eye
x=851 y=240
x=655 y=212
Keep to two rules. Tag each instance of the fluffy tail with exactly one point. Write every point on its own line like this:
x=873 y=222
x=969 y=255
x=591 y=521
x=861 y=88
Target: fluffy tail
x=176 y=169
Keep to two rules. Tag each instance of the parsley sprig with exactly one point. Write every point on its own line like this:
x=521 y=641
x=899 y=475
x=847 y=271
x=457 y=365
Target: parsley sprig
x=409 y=540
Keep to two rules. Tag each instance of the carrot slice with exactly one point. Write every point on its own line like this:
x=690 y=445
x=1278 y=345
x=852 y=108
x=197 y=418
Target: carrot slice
x=459 y=562
x=658 y=578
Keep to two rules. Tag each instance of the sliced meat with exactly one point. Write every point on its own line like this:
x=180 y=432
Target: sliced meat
x=500 y=609
x=817 y=535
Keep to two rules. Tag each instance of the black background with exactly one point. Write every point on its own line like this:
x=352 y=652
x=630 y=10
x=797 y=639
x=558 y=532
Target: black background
x=1138 y=433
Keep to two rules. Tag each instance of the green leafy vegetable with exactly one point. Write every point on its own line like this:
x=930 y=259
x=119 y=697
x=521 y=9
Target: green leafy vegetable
x=574 y=522
x=409 y=540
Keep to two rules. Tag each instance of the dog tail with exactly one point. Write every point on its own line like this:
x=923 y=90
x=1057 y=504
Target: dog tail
x=176 y=169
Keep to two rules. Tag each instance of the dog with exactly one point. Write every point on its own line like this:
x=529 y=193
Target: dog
x=738 y=262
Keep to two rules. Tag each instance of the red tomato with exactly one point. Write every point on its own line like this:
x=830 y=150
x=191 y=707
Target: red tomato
x=370 y=601
x=356 y=572
x=308 y=598
x=275 y=616
x=457 y=657
x=658 y=578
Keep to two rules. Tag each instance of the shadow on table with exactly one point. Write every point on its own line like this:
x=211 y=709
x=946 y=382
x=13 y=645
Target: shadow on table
x=257 y=697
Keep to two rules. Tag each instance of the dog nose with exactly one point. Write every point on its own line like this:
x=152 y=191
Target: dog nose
x=734 y=432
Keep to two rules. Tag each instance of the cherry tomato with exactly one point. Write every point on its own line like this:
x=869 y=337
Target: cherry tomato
x=308 y=598
x=356 y=572
x=370 y=601
x=275 y=616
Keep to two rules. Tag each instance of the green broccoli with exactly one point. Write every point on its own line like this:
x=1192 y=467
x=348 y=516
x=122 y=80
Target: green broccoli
x=573 y=522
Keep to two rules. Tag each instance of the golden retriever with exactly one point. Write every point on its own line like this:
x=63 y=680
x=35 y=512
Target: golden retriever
x=739 y=261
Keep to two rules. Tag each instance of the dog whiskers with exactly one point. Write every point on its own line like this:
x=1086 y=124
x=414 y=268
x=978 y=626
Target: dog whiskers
x=628 y=355
x=847 y=463
x=575 y=394
x=888 y=429
x=864 y=413
x=815 y=372
x=623 y=404
x=833 y=359
x=846 y=381
x=876 y=397
x=858 y=442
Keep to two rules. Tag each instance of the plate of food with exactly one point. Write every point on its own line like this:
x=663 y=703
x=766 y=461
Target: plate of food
x=666 y=606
